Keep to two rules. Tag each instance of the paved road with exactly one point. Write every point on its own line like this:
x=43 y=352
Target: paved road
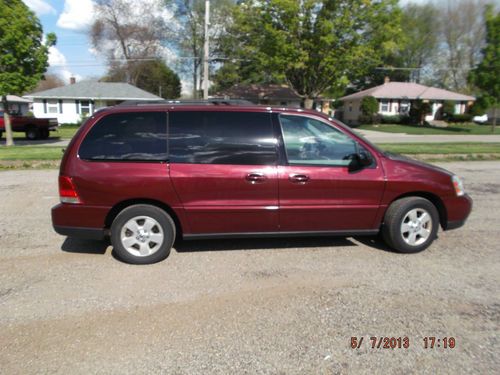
x=281 y=306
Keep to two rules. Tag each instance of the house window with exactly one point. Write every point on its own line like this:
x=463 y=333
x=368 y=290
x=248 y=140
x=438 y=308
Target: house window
x=384 y=106
x=52 y=106
x=404 y=108
x=85 y=107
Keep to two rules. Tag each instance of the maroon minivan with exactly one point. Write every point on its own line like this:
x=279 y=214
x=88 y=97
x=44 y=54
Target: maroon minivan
x=147 y=174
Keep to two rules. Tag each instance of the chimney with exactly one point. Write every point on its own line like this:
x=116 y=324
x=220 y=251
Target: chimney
x=387 y=79
x=72 y=80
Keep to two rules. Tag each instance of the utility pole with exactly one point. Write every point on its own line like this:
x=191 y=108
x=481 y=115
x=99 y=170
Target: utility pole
x=206 y=51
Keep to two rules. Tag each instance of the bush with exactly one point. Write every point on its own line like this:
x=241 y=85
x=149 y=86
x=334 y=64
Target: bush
x=480 y=107
x=366 y=119
x=466 y=117
x=391 y=119
x=448 y=109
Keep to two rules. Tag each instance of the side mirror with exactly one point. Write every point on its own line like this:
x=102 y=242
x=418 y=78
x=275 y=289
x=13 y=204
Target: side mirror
x=364 y=158
x=359 y=160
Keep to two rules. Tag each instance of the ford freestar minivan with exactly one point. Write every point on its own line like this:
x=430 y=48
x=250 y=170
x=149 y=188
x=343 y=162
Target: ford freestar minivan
x=147 y=174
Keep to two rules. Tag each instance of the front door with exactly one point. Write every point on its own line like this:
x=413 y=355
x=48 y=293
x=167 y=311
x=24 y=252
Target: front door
x=223 y=167
x=318 y=186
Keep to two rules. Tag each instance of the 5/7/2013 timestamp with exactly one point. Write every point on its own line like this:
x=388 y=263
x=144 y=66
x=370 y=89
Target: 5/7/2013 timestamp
x=428 y=342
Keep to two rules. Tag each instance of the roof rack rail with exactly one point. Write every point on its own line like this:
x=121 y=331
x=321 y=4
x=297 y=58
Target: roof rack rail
x=188 y=102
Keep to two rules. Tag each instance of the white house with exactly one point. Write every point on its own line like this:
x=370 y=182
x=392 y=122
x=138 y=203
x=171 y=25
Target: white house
x=395 y=98
x=17 y=104
x=74 y=102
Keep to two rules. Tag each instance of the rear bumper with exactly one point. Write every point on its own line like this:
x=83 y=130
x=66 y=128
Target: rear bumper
x=80 y=221
x=458 y=209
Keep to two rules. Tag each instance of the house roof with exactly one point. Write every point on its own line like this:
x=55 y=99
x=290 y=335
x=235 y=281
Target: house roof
x=408 y=90
x=259 y=92
x=17 y=99
x=95 y=90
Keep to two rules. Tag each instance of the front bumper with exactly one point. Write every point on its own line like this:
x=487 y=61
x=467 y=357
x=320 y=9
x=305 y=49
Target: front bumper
x=458 y=209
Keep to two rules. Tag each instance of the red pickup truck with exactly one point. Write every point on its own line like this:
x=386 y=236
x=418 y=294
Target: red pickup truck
x=34 y=128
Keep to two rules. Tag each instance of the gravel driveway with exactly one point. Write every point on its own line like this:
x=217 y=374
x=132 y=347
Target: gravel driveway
x=276 y=306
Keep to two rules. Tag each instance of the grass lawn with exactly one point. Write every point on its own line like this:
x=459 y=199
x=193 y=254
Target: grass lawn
x=452 y=129
x=65 y=131
x=442 y=148
x=31 y=153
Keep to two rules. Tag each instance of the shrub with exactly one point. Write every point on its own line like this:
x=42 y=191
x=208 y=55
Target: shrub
x=466 y=117
x=480 y=107
x=373 y=119
x=391 y=119
x=448 y=109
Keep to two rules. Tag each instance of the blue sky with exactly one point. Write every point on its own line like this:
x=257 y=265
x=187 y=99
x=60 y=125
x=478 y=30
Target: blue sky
x=69 y=19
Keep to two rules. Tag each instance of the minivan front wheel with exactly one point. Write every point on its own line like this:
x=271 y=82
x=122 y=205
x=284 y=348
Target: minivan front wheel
x=142 y=234
x=410 y=224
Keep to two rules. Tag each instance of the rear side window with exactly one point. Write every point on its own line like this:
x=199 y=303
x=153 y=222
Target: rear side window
x=134 y=136
x=244 y=138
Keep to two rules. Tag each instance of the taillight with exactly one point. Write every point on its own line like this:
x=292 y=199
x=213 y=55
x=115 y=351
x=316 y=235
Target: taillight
x=67 y=191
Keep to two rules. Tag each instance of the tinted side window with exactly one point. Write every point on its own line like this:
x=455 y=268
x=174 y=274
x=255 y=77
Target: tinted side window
x=221 y=138
x=139 y=136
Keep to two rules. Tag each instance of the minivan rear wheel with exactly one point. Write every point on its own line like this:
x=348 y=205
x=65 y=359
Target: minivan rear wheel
x=410 y=224
x=142 y=234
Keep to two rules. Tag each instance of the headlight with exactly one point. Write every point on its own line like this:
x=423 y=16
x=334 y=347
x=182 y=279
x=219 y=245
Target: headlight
x=458 y=184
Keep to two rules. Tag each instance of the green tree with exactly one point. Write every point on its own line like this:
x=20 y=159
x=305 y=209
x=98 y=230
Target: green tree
x=153 y=76
x=23 y=55
x=418 y=110
x=313 y=46
x=369 y=108
x=415 y=50
x=486 y=76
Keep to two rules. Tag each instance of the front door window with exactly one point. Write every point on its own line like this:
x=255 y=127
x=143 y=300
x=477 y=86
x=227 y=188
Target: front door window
x=312 y=142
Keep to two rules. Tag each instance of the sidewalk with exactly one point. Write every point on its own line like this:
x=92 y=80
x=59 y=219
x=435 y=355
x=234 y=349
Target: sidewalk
x=381 y=137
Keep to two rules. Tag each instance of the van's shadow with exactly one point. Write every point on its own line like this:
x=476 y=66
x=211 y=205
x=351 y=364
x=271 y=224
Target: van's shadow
x=78 y=245
x=75 y=245
x=259 y=244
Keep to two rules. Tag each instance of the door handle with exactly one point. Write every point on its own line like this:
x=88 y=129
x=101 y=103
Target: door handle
x=298 y=178
x=255 y=178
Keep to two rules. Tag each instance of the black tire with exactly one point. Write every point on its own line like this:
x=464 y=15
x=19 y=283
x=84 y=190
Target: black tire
x=44 y=133
x=32 y=133
x=164 y=226
x=396 y=215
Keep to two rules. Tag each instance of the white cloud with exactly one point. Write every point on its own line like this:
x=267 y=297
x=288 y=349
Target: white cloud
x=77 y=14
x=59 y=65
x=40 y=7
